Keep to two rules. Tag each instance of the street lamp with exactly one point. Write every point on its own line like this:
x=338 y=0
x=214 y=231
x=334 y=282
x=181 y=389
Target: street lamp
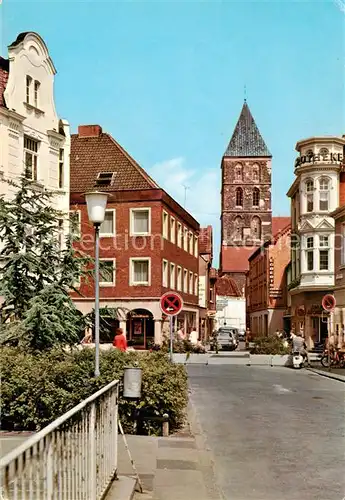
x=96 y=203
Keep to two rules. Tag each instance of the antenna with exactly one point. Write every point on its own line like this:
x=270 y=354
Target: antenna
x=245 y=93
x=185 y=194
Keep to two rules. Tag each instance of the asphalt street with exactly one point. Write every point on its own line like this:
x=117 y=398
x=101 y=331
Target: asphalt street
x=274 y=433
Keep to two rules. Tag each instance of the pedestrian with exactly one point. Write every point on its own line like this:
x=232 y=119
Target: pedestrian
x=180 y=334
x=299 y=345
x=87 y=339
x=193 y=336
x=120 y=341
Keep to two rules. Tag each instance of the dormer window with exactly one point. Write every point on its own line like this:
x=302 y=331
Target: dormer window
x=105 y=178
x=36 y=93
x=28 y=88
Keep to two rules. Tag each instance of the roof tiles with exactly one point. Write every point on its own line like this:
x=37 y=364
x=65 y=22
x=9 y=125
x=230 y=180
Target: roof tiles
x=246 y=139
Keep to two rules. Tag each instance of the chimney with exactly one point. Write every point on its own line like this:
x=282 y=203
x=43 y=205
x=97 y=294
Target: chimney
x=89 y=130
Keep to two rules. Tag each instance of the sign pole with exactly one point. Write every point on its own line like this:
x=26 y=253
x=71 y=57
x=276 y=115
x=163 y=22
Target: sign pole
x=329 y=345
x=171 y=337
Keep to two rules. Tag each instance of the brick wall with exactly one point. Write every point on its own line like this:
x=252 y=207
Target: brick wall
x=247 y=182
x=122 y=247
x=4 y=69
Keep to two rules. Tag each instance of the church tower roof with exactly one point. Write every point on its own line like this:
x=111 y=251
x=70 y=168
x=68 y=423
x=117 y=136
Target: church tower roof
x=246 y=139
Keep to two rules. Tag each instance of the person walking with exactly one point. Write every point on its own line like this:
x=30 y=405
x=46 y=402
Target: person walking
x=193 y=337
x=120 y=341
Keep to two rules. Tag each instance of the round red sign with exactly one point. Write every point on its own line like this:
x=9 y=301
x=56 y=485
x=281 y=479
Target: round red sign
x=171 y=303
x=328 y=302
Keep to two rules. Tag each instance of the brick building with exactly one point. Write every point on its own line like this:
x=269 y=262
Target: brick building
x=339 y=260
x=148 y=242
x=207 y=279
x=246 y=215
x=267 y=295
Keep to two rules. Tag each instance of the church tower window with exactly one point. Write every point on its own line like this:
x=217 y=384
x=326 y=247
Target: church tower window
x=256 y=197
x=239 y=197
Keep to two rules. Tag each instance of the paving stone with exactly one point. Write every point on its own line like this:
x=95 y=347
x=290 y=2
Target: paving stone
x=176 y=465
x=174 y=443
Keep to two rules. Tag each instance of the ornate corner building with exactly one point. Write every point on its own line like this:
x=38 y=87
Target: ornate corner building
x=246 y=214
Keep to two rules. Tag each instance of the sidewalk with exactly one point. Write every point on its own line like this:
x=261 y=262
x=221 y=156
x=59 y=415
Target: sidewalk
x=334 y=373
x=173 y=468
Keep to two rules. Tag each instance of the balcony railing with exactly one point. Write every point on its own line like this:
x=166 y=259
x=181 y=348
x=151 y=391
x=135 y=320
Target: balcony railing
x=74 y=457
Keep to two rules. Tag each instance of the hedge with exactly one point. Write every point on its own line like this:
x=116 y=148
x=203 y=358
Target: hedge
x=270 y=344
x=38 y=388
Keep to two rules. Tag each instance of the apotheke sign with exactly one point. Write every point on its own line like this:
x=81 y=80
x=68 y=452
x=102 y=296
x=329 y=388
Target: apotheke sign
x=311 y=158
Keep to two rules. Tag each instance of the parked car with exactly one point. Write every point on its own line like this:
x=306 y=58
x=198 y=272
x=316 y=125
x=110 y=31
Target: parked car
x=227 y=339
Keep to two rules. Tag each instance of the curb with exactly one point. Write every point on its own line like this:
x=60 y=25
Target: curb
x=331 y=375
x=123 y=488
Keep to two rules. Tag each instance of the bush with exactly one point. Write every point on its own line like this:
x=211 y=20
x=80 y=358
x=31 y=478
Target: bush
x=269 y=345
x=182 y=346
x=38 y=388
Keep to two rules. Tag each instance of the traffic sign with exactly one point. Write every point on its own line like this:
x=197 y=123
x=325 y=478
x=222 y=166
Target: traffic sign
x=328 y=302
x=171 y=303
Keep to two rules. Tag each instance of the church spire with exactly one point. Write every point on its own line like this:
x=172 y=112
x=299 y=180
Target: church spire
x=246 y=139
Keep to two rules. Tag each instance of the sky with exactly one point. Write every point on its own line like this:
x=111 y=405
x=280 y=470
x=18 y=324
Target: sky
x=168 y=80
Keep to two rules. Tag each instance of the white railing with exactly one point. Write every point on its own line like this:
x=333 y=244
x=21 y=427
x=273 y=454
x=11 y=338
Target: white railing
x=73 y=458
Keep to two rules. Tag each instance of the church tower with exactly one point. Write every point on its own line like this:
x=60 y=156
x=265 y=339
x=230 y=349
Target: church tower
x=246 y=214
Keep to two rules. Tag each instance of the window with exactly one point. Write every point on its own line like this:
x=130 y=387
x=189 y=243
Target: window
x=172 y=275
x=60 y=232
x=342 y=260
x=107 y=227
x=324 y=241
x=28 y=88
x=105 y=178
x=61 y=169
x=191 y=243
x=239 y=197
x=324 y=194
x=165 y=225
x=196 y=281
x=238 y=172
x=172 y=230
x=140 y=221
x=107 y=272
x=30 y=158
x=238 y=228
x=36 y=93
x=191 y=284
x=185 y=239
x=309 y=187
x=255 y=173
x=185 y=280
x=256 y=197
x=324 y=260
x=140 y=271
x=179 y=234
x=179 y=278
x=165 y=273
x=196 y=246
x=256 y=228
x=75 y=222
x=324 y=153
x=310 y=253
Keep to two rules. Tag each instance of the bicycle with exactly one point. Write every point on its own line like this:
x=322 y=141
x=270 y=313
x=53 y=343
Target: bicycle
x=333 y=358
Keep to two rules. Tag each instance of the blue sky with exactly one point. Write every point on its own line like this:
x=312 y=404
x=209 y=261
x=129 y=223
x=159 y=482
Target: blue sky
x=166 y=79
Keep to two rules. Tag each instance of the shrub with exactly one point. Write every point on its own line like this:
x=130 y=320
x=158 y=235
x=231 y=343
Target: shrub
x=182 y=346
x=269 y=345
x=38 y=388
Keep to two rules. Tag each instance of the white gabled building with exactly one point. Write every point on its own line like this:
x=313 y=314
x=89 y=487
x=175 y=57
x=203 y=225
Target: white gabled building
x=33 y=139
x=314 y=195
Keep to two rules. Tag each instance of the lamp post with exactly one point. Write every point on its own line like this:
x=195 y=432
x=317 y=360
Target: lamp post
x=96 y=204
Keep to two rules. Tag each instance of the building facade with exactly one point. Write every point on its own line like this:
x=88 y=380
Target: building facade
x=34 y=141
x=339 y=261
x=207 y=278
x=314 y=196
x=246 y=215
x=267 y=296
x=148 y=242
x=230 y=304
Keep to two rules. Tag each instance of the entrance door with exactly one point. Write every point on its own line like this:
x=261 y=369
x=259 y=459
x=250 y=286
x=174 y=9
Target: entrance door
x=140 y=329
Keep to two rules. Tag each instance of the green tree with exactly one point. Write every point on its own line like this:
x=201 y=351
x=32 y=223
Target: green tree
x=36 y=271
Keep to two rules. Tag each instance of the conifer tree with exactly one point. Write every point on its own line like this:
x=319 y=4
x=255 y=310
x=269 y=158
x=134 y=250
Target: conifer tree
x=36 y=271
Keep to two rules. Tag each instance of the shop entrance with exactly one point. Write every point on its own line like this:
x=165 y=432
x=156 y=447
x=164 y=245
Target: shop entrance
x=320 y=329
x=140 y=329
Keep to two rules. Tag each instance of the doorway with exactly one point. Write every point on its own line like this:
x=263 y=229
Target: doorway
x=140 y=329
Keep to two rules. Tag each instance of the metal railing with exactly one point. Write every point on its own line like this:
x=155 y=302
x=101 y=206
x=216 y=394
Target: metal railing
x=73 y=458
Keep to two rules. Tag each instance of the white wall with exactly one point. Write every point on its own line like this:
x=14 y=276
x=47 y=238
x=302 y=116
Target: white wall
x=233 y=314
x=30 y=57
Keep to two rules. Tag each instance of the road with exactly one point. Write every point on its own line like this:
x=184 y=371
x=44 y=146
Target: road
x=275 y=433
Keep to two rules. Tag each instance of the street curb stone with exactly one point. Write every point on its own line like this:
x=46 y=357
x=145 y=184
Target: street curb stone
x=333 y=376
